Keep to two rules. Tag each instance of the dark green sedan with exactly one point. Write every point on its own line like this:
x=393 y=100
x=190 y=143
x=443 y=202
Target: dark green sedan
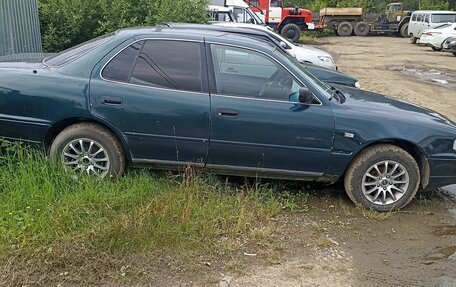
x=235 y=105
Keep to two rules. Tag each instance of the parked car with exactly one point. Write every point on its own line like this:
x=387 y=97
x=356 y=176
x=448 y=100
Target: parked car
x=303 y=53
x=323 y=74
x=450 y=45
x=434 y=38
x=228 y=103
x=422 y=20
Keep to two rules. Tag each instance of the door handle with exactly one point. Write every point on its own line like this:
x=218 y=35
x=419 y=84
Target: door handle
x=111 y=101
x=228 y=113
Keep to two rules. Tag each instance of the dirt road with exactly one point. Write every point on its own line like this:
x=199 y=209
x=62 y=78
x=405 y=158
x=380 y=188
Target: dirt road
x=391 y=66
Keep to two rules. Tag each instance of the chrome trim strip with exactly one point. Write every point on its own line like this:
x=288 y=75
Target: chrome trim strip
x=203 y=140
x=263 y=100
x=269 y=146
x=24 y=122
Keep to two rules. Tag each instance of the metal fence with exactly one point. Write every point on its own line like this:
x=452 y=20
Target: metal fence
x=19 y=27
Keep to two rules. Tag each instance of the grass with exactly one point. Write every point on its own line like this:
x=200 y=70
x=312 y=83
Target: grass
x=45 y=209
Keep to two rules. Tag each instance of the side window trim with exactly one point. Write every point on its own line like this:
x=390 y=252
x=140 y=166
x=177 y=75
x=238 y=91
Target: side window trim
x=132 y=69
x=205 y=87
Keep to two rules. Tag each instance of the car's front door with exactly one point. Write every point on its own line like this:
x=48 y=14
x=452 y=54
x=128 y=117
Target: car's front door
x=155 y=92
x=257 y=123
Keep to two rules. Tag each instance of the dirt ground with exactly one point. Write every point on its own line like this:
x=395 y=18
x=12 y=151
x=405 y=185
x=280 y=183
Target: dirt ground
x=335 y=244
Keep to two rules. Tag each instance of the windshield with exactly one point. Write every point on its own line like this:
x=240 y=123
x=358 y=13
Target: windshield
x=255 y=16
x=74 y=53
x=322 y=87
x=441 y=18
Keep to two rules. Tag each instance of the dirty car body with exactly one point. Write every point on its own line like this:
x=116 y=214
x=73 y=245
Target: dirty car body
x=167 y=98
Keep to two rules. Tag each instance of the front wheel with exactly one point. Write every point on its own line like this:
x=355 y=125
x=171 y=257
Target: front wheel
x=436 y=49
x=291 y=32
x=88 y=148
x=413 y=39
x=404 y=30
x=382 y=178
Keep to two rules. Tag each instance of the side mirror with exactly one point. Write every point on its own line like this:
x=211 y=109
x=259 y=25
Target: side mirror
x=305 y=96
x=283 y=45
x=252 y=21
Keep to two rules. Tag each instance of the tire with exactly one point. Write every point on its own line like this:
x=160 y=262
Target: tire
x=436 y=49
x=101 y=153
x=454 y=54
x=291 y=32
x=413 y=39
x=404 y=30
x=364 y=194
x=344 y=29
x=361 y=29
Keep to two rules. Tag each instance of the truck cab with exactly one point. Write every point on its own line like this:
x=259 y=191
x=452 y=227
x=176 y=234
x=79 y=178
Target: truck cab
x=243 y=13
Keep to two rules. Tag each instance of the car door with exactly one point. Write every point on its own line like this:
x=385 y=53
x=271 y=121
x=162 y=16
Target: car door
x=155 y=92
x=258 y=126
x=275 y=11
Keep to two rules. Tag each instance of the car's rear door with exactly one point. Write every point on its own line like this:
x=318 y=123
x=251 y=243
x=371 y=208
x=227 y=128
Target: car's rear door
x=155 y=92
x=257 y=124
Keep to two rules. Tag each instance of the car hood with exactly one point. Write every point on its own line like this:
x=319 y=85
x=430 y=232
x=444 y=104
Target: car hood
x=373 y=104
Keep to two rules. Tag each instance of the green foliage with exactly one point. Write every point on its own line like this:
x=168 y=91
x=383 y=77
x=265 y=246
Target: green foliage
x=42 y=205
x=65 y=23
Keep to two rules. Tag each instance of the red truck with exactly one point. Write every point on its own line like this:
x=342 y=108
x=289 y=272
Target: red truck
x=287 y=21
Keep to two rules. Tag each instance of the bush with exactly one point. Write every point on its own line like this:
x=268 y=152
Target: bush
x=65 y=23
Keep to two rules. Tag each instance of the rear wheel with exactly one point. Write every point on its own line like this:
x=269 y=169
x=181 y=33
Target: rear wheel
x=344 y=29
x=382 y=178
x=413 y=39
x=361 y=29
x=89 y=148
x=404 y=30
x=291 y=32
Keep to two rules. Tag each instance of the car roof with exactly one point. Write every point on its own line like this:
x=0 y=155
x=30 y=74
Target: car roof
x=433 y=12
x=217 y=34
x=216 y=27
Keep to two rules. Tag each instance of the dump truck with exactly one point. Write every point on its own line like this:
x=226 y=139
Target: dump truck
x=349 y=21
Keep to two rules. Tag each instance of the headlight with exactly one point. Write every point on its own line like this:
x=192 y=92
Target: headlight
x=326 y=59
x=358 y=85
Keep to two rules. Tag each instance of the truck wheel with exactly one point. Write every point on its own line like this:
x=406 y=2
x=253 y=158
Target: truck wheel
x=344 y=29
x=361 y=29
x=404 y=30
x=413 y=39
x=291 y=32
x=382 y=178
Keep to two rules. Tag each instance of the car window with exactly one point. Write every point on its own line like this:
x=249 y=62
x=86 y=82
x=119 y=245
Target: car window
x=120 y=67
x=75 y=52
x=413 y=17
x=246 y=73
x=241 y=15
x=443 y=26
x=426 y=19
x=169 y=64
x=443 y=18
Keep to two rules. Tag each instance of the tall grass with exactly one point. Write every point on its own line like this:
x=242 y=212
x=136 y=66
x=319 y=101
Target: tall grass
x=42 y=205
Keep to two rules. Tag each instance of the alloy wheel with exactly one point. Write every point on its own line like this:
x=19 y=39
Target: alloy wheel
x=86 y=156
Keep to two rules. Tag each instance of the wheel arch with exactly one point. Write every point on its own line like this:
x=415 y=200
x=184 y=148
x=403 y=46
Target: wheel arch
x=59 y=126
x=414 y=150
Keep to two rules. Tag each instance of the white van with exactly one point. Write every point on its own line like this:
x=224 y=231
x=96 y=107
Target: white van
x=422 y=20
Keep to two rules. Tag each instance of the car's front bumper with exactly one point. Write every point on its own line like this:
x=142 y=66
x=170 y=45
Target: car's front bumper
x=442 y=173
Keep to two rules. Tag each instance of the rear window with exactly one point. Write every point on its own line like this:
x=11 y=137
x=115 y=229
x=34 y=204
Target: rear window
x=442 y=18
x=75 y=52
